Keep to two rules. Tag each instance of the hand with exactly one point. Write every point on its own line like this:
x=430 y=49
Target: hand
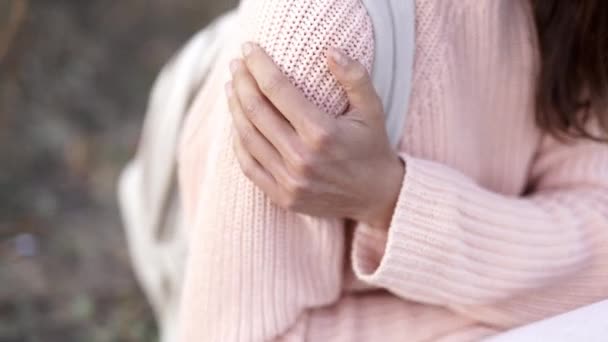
x=306 y=160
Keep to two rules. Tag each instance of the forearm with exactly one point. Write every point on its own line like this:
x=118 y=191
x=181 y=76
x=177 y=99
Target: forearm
x=499 y=259
x=253 y=268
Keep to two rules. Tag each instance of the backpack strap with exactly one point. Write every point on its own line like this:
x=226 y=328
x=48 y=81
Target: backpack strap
x=169 y=102
x=394 y=24
x=147 y=189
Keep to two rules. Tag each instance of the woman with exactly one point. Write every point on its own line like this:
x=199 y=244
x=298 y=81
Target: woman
x=492 y=213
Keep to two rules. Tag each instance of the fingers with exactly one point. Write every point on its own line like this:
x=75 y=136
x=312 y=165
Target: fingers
x=253 y=170
x=259 y=111
x=287 y=98
x=251 y=139
x=356 y=81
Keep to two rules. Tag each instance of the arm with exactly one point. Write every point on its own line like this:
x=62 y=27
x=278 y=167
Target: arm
x=501 y=260
x=255 y=268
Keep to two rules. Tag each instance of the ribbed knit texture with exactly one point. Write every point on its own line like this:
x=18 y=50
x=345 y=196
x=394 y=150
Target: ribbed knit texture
x=496 y=225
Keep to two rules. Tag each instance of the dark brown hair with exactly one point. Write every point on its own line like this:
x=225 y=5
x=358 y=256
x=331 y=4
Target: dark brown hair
x=572 y=86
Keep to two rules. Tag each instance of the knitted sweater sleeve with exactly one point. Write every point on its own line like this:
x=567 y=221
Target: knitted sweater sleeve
x=501 y=260
x=254 y=268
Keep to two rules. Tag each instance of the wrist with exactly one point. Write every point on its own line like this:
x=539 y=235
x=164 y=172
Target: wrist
x=383 y=206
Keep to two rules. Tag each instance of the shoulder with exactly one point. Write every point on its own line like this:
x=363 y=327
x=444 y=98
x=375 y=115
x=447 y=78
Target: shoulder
x=296 y=34
x=305 y=22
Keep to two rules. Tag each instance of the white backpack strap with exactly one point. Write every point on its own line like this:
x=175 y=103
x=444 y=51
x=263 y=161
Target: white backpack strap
x=148 y=188
x=169 y=101
x=394 y=24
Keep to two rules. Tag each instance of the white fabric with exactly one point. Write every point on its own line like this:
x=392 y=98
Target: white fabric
x=588 y=324
x=394 y=34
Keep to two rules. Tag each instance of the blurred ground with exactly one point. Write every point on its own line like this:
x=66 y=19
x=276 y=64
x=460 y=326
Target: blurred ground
x=73 y=89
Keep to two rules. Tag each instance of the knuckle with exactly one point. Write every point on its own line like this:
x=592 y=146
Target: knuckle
x=253 y=106
x=246 y=136
x=289 y=202
x=323 y=138
x=285 y=200
x=273 y=83
x=296 y=187
x=303 y=164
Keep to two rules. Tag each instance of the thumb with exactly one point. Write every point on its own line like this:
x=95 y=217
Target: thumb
x=355 y=79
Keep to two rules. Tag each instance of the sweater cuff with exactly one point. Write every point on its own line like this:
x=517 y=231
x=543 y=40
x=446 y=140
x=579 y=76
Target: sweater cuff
x=408 y=257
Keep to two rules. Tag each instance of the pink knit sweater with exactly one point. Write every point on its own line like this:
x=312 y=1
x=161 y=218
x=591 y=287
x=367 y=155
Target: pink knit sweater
x=497 y=224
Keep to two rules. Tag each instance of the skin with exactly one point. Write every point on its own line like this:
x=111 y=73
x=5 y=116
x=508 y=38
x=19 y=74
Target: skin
x=304 y=159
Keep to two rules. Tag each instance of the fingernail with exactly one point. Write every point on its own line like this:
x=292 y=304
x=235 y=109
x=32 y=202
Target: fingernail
x=234 y=65
x=247 y=48
x=228 y=88
x=338 y=56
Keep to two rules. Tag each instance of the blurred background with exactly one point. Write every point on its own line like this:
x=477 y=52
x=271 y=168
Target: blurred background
x=74 y=81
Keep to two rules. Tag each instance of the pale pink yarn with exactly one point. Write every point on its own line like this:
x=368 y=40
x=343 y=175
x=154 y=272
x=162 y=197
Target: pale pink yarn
x=297 y=34
x=497 y=223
